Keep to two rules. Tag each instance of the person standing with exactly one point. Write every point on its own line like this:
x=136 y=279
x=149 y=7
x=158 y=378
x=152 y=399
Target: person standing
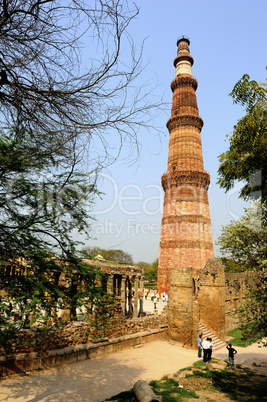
x=205 y=346
x=210 y=349
x=231 y=353
x=199 y=344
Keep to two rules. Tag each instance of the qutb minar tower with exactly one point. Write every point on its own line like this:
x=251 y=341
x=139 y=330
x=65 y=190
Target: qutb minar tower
x=186 y=239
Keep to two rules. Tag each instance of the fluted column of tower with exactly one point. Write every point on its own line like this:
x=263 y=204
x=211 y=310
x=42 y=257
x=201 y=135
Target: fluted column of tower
x=186 y=239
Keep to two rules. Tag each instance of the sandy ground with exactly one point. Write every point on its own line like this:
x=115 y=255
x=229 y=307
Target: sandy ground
x=99 y=379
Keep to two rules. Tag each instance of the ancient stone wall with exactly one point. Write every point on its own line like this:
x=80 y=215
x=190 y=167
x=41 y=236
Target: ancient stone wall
x=183 y=308
x=211 y=297
x=80 y=333
x=236 y=285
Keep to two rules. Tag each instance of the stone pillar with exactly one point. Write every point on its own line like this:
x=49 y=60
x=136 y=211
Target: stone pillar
x=110 y=284
x=135 y=313
x=182 y=307
x=130 y=307
x=123 y=299
x=141 y=306
x=115 y=285
x=119 y=285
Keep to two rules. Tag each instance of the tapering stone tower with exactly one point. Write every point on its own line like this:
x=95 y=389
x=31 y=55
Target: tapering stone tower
x=186 y=239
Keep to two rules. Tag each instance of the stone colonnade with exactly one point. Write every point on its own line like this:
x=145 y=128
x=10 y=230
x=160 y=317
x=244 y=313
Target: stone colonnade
x=130 y=288
x=126 y=282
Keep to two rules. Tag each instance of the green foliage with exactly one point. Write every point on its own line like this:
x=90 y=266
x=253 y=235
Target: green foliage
x=199 y=373
x=43 y=198
x=51 y=115
x=169 y=389
x=246 y=159
x=253 y=310
x=244 y=385
x=244 y=242
x=245 y=335
x=230 y=265
x=150 y=270
x=197 y=364
x=111 y=255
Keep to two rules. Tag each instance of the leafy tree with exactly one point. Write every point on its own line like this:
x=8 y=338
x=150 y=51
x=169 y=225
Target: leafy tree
x=244 y=242
x=231 y=265
x=57 y=111
x=150 y=270
x=113 y=255
x=253 y=311
x=56 y=92
x=246 y=159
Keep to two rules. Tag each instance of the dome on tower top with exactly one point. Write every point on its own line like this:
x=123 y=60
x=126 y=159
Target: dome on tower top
x=183 y=39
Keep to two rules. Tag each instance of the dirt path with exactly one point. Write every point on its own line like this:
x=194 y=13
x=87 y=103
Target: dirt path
x=98 y=379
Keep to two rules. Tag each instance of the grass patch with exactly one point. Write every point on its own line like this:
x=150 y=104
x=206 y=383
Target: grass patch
x=169 y=389
x=239 y=386
x=197 y=364
x=239 y=337
x=206 y=373
x=242 y=385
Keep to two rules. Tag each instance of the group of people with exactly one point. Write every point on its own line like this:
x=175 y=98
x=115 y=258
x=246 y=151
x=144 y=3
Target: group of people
x=155 y=296
x=207 y=347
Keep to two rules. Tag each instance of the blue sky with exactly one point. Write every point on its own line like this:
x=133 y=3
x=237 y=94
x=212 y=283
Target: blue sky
x=228 y=39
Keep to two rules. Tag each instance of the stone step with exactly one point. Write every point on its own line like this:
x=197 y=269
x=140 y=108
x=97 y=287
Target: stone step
x=206 y=333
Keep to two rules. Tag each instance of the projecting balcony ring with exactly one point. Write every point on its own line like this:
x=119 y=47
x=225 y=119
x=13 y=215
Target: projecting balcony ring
x=191 y=178
x=182 y=57
x=184 y=81
x=188 y=120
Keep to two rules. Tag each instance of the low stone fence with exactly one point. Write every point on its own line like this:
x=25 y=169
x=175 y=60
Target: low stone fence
x=22 y=363
x=41 y=340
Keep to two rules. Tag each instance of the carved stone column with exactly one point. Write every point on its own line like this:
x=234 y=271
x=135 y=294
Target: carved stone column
x=141 y=306
x=115 y=285
x=123 y=291
x=119 y=284
x=135 y=313
x=110 y=284
x=130 y=307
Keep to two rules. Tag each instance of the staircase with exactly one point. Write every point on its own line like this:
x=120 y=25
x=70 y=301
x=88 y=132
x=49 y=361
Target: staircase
x=218 y=343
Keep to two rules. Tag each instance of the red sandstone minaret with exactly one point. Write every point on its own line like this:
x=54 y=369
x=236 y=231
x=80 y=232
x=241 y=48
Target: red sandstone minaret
x=186 y=239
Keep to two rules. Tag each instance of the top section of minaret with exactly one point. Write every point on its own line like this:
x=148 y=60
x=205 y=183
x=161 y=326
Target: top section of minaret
x=184 y=61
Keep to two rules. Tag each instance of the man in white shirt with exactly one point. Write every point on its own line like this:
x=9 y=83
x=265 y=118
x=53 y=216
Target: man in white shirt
x=205 y=346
